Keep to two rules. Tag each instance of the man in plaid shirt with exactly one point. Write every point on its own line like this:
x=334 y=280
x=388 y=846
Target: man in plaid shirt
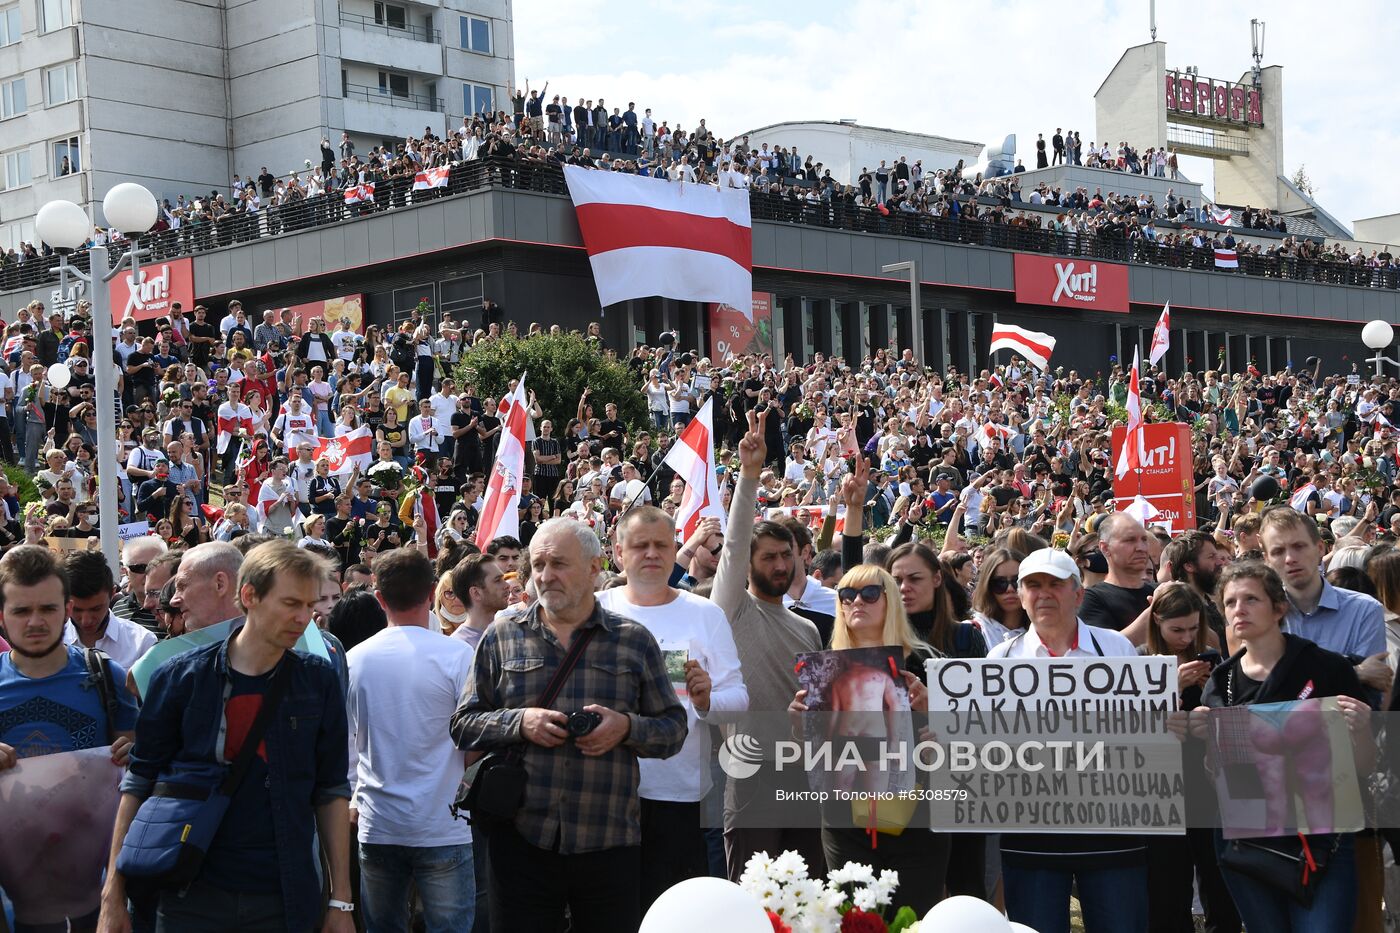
x=575 y=842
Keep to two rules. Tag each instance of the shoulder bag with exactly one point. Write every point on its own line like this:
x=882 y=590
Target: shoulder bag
x=174 y=827
x=496 y=790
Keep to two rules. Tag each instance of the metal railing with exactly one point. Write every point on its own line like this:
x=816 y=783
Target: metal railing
x=1210 y=140
x=546 y=177
x=382 y=95
x=406 y=31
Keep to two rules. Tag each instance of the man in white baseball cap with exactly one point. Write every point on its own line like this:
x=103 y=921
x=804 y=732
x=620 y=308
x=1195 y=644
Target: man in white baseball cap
x=1109 y=869
x=1051 y=594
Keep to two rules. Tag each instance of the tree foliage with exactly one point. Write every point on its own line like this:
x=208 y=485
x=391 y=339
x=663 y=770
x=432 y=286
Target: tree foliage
x=1303 y=182
x=559 y=368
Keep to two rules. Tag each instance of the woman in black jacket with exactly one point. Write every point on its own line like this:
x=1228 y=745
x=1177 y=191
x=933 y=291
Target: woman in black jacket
x=1275 y=667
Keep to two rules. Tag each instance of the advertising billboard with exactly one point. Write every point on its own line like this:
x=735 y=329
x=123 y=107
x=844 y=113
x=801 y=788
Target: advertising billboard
x=1167 y=478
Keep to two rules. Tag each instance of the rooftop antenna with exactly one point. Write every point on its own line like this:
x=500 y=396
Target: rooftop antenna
x=1152 y=7
x=1256 y=34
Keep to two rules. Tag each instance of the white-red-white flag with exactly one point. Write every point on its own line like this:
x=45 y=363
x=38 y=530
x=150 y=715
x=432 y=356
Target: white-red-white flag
x=500 y=512
x=1161 y=336
x=1222 y=215
x=647 y=237
x=990 y=431
x=232 y=419
x=360 y=194
x=692 y=456
x=347 y=451
x=431 y=178
x=1299 y=500
x=1227 y=259
x=1130 y=457
x=1033 y=345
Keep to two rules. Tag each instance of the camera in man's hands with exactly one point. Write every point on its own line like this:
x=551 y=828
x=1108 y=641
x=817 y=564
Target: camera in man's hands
x=583 y=722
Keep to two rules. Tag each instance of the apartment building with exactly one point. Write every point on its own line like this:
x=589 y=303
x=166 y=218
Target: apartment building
x=180 y=95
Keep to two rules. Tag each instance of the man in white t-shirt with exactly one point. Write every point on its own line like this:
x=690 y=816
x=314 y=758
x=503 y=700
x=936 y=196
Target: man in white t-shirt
x=294 y=426
x=404 y=685
x=699 y=649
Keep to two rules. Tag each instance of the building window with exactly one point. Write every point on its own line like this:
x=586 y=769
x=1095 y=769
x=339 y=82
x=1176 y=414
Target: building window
x=15 y=167
x=391 y=15
x=390 y=83
x=61 y=84
x=476 y=99
x=14 y=100
x=9 y=25
x=55 y=14
x=66 y=158
x=15 y=235
x=476 y=34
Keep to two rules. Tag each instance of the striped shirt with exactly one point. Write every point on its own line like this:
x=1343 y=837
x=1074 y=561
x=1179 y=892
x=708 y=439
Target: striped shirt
x=573 y=803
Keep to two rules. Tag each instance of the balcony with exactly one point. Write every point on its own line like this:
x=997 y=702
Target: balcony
x=377 y=112
x=384 y=97
x=406 y=31
x=1210 y=144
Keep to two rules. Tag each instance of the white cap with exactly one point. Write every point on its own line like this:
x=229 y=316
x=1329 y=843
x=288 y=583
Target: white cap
x=1048 y=560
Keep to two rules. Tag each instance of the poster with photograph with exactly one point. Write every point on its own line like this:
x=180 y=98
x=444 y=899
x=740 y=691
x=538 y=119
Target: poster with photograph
x=57 y=833
x=862 y=706
x=674 y=654
x=1283 y=768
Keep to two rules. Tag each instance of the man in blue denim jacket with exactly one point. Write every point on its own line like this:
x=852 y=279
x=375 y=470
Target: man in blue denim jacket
x=260 y=873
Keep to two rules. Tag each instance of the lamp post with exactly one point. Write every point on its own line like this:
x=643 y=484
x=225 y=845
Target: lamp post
x=916 y=317
x=1378 y=335
x=63 y=225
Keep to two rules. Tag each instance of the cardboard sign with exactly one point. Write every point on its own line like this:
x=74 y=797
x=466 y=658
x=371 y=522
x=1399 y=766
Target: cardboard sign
x=987 y=684
x=1064 y=745
x=129 y=530
x=1071 y=283
x=1167 y=478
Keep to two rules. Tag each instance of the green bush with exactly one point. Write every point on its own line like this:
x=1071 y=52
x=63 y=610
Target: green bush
x=28 y=492
x=558 y=368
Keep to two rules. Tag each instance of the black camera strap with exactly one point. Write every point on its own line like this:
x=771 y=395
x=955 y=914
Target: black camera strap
x=556 y=683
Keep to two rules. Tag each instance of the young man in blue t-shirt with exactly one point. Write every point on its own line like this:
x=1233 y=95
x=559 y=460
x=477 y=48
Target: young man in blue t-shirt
x=48 y=700
x=49 y=703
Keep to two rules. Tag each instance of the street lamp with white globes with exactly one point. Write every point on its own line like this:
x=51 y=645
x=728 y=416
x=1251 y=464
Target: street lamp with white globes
x=1378 y=335
x=131 y=210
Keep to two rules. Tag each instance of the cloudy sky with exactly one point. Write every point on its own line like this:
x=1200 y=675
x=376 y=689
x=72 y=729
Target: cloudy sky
x=976 y=71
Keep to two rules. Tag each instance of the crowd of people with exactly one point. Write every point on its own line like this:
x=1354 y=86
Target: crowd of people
x=869 y=502
x=520 y=147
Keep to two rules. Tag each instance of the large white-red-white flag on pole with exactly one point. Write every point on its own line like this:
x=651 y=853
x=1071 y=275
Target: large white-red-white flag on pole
x=1033 y=345
x=1130 y=457
x=500 y=512
x=692 y=456
x=1161 y=336
x=647 y=237
x=347 y=451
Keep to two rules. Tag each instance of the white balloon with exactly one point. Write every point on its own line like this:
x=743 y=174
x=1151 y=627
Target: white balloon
x=59 y=375
x=966 y=915
x=704 y=905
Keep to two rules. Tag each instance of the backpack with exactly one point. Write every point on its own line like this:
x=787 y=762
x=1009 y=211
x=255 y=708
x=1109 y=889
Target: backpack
x=99 y=668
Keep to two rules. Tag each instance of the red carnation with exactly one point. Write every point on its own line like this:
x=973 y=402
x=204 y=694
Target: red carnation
x=858 y=921
x=778 y=925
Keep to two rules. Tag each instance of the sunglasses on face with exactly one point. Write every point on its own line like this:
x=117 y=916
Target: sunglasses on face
x=869 y=593
x=1000 y=585
x=136 y=568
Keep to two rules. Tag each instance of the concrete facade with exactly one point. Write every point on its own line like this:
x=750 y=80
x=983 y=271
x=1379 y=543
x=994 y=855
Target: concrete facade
x=180 y=95
x=523 y=249
x=1128 y=105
